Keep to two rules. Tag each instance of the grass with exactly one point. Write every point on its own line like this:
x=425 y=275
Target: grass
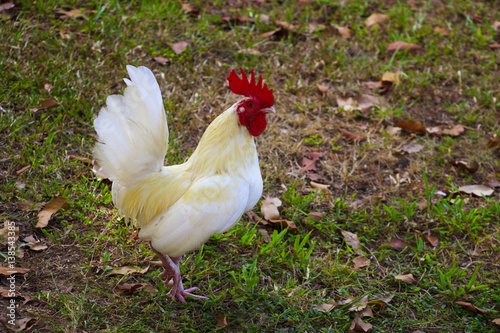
x=261 y=278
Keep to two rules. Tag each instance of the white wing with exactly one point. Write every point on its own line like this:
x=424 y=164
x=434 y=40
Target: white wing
x=211 y=205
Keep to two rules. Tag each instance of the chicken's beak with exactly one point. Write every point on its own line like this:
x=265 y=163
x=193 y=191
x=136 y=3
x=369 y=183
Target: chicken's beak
x=269 y=110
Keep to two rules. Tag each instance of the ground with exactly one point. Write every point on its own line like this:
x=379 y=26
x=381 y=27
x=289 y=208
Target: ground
x=366 y=198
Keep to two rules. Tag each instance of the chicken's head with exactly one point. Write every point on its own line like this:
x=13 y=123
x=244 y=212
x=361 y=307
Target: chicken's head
x=259 y=102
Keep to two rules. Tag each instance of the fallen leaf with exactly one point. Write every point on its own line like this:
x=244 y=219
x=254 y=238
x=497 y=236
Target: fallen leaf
x=393 y=78
x=351 y=239
x=322 y=89
x=407 y=278
x=34 y=244
x=380 y=301
x=493 y=184
x=79 y=158
x=411 y=126
x=127 y=270
x=7 y=271
x=393 y=130
x=21 y=325
x=285 y=25
x=270 y=33
x=402 y=46
x=397 y=244
x=376 y=19
x=254 y=217
x=221 y=321
x=325 y=307
x=465 y=166
x=6 y=6
x=269 y=208
x=493 y=143
x=359 y=326
x=477 y=190
x=285 y=223
x=411 y=148
x=189 y=9
x=320 y=187
x=471 y=307
x=360 y=305
x=496 y=321
x=75 y=13
x=441 y=31
x=316 y=215
x=128 y=289
x=264 y=18
x=161 y=60
x=9 y=232
x=360 y=262
x=363 y=102
x=455 y=131
x=249 y=51
x=433 y=240
x=49 y=103
x=351 y=136
x=179 y=47
x=309 y=161
x=29 y=205
x=50 y=209
x=23 y=169
x=344 y=32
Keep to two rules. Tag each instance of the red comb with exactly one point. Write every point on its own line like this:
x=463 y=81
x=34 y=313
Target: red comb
x=250 y=89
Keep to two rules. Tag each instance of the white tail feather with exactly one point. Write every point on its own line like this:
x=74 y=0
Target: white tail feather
x=132 y=130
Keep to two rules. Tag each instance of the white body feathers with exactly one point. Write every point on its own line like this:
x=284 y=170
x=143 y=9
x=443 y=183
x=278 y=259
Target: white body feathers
x=178 y=207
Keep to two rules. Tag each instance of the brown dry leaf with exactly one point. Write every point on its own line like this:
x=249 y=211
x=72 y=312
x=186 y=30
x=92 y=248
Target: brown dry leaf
x=189 y=9
x=34 y=244
x=493 y=184
x=309 y=161
x=455 y=131
x=433 y=240
x=411 y=148
x=471 y=307
x=316 y=215
x=270 y=33
x=363 y=102
x=321 y=187
x=477 y=190
x=179 y=47
x=411 y=126
x=49 y=103
x=360 y=305
x=50 y=209
x=402 y=46
x=254 y=217
x=269 y=208
x=6 y=6
x=8 y=293
x=496 y=321
x=407 y=278
x=9 y=232
x=465 y=166
x=441 y=31
x=21 y=325
x=127 y=270
x=322 y=89
x=397 y=244
x=250 y=51
x=285 y=25
x=75 y=13
x=128 y=289
x=79 y=158
x=393 y=78
x=264 y=18
x=22 y=170
x=221 y=321
x=373 y=85
x=375 y=19
x=344 y=32
x=494 y=46
x=325 y=307
x=11 y=270
x=360 y=262
x=366 y=312
x=351 y=136
x=161 y=60
x=493 y=143
x=29 y=205
x=285 y=223
x=351 y=239
x=391 y=130
x=380 y=301
x=359 y=326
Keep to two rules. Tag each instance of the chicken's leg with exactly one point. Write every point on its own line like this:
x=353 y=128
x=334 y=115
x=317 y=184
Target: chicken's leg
x=172 y=272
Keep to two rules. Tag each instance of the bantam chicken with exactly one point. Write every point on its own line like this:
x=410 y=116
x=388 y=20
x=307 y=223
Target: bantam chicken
x=179 y=207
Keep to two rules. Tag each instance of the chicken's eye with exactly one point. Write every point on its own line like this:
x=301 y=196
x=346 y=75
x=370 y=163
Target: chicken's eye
x=250 y=104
